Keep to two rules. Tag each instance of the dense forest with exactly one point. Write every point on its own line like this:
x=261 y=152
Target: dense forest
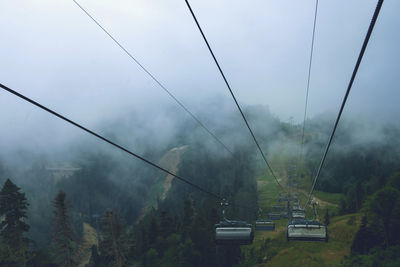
x=92 y=206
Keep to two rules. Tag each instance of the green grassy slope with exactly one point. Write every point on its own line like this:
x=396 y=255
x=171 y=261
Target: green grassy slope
x=272 y=249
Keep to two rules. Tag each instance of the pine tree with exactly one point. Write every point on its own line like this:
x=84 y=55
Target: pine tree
x=327 y=217
x=394 y=233
x=154 y=226
x=64 y=237
x=342 y=206
x=166 y=224
x=114 y=245
x=363 y=240
x=94 y=258
x=188 y=214
x=13 y=206
x=380 y=211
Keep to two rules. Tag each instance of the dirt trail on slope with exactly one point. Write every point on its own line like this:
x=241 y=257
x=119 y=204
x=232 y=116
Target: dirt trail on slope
x=282 y=176
x=321 y=202
x=169 y=161
x=297 y=253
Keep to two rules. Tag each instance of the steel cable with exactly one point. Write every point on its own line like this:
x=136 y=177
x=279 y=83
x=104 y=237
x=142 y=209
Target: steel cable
x=154 y=78
x=353 y=76
x=232 y=94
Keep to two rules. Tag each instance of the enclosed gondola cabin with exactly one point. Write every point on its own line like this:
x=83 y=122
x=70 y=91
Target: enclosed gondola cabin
x=234 y=233
x=265 y=225
x=306 y=230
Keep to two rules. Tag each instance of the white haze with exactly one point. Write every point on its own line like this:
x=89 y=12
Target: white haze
x=53 y=53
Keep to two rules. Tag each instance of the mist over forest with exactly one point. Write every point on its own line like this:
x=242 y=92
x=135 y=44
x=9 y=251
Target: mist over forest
x=200 y=191
x=97 y=178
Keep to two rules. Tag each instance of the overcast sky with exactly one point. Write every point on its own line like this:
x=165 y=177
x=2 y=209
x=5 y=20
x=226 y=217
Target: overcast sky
x=52 y=52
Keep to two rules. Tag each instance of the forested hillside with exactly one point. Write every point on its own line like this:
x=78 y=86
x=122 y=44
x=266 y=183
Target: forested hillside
x=90 y=188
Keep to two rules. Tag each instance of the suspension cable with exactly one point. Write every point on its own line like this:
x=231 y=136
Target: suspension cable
x=308 y=82
x=232 y=94
x=154 y=78
x=364 y=46
x=109 y=141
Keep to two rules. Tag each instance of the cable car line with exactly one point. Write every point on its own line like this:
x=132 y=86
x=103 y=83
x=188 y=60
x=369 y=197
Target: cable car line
x=363 y=48
x=109 y=141
x=308 y=80
x=232 y=94
x=154 y=78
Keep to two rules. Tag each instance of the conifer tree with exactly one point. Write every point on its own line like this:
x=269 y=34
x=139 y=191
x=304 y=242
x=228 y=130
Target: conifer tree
x=188 y=214
x=327 y=217
x=114 y=245
x=363 y=240
x=94 y=258
x=13 y=206
x=64 y=237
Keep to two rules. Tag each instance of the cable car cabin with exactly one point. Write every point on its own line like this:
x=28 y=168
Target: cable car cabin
x=284 y=214
x=234 y=232
x=298 y=213
x=306 y=230
x=297 y=207
x=278 y=208
x=283 y=197
x=287 y=197
x=274 y=216
x=265 y=225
